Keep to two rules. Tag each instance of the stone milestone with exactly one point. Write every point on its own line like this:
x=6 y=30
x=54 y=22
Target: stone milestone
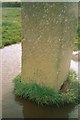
x=49 y=31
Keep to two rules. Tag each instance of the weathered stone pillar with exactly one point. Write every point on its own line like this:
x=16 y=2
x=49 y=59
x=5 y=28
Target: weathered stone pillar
x=49 y=32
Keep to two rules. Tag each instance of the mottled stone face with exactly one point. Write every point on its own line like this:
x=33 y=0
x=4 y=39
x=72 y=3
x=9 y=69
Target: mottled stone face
x=49 y=32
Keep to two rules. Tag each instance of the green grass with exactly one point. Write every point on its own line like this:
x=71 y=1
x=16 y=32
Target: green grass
x=11 y=26
x=77 y=43
x=47 y=96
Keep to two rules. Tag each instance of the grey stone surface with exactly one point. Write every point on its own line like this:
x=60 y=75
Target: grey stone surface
x=49 y=32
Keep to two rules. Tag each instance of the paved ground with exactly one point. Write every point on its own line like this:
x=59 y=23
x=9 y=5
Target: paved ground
x=10 y=67
x=0 y=84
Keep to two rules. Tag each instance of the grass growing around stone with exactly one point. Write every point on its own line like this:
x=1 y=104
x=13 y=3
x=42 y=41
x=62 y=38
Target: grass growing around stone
x=11 y=26
x=48 y=96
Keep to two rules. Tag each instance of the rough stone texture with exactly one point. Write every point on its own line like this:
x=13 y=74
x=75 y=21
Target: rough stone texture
x=49 y=31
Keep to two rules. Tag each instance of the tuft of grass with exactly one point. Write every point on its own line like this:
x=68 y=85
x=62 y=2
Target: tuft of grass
x=47 y=96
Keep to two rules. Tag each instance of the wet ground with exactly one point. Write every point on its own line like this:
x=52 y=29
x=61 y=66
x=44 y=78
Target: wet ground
x=15 y=107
